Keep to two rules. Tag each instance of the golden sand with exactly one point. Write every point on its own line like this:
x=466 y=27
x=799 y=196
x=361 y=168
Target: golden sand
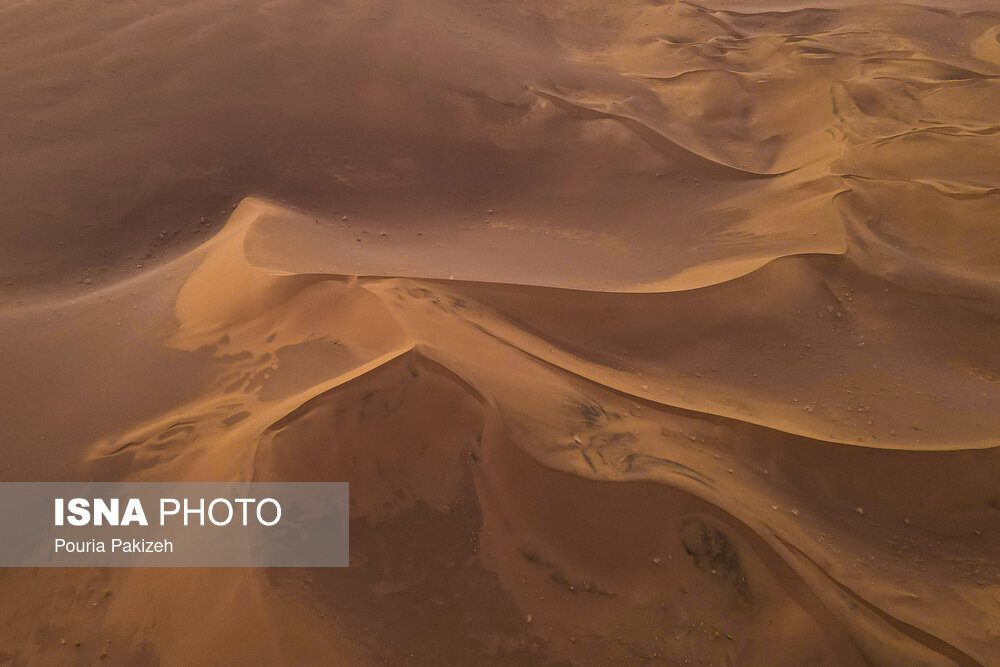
x=644 y=332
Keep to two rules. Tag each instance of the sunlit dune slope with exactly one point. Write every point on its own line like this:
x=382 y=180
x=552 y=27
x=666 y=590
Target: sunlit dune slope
x=642 y=331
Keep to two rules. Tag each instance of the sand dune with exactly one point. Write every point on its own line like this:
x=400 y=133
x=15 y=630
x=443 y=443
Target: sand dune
x=644 y=332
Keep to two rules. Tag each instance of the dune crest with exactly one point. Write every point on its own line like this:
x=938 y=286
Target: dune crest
x=642 y=331
x=571 y=404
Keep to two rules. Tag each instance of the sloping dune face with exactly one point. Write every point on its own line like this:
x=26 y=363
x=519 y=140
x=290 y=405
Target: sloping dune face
x=644 y=332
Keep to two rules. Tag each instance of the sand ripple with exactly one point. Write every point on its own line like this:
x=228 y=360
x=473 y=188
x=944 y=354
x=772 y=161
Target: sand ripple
x=742 y=404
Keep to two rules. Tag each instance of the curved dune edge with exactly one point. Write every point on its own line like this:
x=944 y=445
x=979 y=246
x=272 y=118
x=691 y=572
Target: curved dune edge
x=643 y=332
x=644 y=126
x=876 y=633
x=281 y=242
x=228 y=287
x=566 y=414
x=879 y=635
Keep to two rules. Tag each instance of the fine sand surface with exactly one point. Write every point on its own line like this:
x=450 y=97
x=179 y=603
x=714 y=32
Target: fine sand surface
x=644 y=332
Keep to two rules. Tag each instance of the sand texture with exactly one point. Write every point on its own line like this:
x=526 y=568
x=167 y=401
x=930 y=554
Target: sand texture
x=644 y=332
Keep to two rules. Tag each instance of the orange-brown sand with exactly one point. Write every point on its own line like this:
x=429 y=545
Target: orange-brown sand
x=644 y=332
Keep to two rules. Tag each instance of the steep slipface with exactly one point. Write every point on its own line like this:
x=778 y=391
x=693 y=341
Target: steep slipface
x=643 y=332
x=501 y=413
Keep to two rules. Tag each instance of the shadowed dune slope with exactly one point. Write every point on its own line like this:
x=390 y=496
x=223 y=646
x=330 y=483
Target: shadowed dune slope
x=643 y=332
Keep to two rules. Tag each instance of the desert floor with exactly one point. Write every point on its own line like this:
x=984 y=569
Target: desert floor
x=646 y=332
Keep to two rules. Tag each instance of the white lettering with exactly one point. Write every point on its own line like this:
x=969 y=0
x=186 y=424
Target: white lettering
x=163 y=509
x=277 y=511
x=200 y=511
x=211 y=513
x=134 y=513
x=103 y=511
x=79 y=511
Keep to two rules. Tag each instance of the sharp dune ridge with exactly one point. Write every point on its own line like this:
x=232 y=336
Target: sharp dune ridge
x=645 y=332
